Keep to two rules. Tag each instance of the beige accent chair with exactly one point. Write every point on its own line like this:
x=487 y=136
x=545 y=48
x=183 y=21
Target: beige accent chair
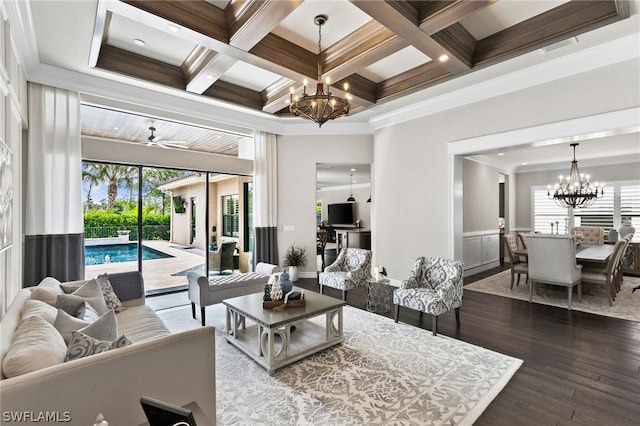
x=591 y=235
x=552 y=260
x=518 y=267
x=222 y=259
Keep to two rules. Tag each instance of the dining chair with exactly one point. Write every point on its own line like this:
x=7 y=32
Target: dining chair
x=552 y=260
x=518 y=267
x=607 y=277
x=591 y=235
x=522 y=237
x=322 y=237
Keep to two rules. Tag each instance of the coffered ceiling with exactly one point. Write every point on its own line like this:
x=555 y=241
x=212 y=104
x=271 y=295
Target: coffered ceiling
x=250 y=53
x=244 y=56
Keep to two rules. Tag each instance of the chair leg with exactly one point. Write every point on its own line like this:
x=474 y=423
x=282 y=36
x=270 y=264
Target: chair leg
x=434 y=324
x=344 y=295
x=193 y=310
x=202 y=314
x=518 y=282
x=570 y=293
x=512 y=279
x=458 y=317
x=321 y=288
x=396 y=313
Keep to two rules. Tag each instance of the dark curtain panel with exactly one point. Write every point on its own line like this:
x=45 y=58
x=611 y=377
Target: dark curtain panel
x=266 y=245
x=59 y=256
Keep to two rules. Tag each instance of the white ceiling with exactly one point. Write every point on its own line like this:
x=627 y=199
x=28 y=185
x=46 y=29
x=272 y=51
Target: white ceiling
x=63 y=32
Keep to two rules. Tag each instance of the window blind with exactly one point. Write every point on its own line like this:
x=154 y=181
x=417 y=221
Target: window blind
x=630 y=204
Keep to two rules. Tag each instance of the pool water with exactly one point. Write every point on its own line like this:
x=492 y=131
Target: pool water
x=96 y=255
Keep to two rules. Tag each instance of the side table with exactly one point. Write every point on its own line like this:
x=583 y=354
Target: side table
x=379 y=295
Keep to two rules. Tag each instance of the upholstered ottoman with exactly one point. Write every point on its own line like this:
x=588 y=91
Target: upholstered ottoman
x=203 y=292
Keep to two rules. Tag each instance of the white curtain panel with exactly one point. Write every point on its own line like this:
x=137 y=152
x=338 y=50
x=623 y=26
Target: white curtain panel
x=54 y=162
x=265 y=198
x=265 y=208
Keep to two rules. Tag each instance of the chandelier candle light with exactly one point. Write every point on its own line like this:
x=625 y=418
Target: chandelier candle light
x=575 y=190
x=320 y=107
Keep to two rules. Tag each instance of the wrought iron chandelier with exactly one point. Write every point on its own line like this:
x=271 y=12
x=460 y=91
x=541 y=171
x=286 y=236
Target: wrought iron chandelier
x=575 y=190
x=320 y=107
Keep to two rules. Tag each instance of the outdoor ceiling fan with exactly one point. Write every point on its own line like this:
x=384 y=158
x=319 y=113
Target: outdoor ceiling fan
x=153 y=141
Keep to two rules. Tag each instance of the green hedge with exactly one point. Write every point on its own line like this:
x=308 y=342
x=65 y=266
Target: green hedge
x=103 y=224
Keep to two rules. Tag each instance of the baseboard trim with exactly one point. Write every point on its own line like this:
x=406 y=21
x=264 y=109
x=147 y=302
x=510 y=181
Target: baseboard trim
x=482 y=268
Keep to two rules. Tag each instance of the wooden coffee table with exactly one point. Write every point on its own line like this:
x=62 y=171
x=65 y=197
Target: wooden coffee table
x=270 y=341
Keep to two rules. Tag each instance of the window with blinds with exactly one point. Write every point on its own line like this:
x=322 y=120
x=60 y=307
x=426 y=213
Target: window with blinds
x=599 y=214
x=620 y=202
x=630 y=204
x=547 y=212
x=230 y=216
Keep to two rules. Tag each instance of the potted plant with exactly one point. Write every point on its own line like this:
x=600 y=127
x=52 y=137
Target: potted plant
x=294 y=258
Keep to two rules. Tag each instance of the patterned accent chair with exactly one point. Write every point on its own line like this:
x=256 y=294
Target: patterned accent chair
x=434 y=287
x=591 y=235
x=351 y=269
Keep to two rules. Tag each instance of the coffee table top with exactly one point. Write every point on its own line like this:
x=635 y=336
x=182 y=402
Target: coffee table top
x=250 y=306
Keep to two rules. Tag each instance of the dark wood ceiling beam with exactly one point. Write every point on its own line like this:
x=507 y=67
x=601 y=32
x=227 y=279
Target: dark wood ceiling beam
x=250 y=21
x=363 y=47
x=235 y=94
x=456 y=38
x=198 y=15
x=277 y=50
x=560 y=23
x=121 y=61
x=362 y=89
x=411 y=81
x=435 y=16
x=395 y=16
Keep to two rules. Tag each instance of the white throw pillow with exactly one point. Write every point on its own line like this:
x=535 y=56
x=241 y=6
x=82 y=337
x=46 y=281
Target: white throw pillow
x=104 y=328
x=89 y=292
x=35 y=345
x=47 y=291
x=39 y=308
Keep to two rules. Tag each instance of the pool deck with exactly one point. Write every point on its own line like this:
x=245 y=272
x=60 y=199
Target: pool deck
x=156 y=272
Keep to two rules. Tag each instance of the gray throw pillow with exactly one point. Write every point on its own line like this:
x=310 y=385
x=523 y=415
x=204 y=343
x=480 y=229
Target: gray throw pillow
x=89 y=292
x=104 y=328
x=86 y=313
x=82 y=345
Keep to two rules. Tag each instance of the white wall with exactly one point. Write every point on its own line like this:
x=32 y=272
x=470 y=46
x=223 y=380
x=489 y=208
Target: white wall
x=412 y=168
x=297 y=158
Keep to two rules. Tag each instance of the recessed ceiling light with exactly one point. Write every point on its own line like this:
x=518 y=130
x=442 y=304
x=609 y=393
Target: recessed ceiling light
x=500 y=154
x=443 y=58
x=139 y=42
x=210 y=77
x=353 y=170
x=173 y=28
x=524 y=164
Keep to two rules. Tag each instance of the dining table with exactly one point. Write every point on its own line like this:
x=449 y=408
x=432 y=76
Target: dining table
x=585 y=253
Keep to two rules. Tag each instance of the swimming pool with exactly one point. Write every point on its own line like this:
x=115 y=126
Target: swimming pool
x=96 y=255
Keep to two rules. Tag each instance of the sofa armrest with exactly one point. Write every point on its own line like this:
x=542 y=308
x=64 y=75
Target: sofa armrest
x=177 y=369
x=198 y=289
x=266 y=268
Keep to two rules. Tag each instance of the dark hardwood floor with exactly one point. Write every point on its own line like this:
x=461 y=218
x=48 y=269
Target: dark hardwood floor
x=579 y=368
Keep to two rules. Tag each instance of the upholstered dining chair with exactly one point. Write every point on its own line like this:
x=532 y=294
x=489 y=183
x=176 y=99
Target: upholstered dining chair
x=552 y=260
x=433 y=287
x=351 y=269
x=518 y=266
x=591 y=235
x=222 y=258
x=322 y=237
x=608 y=276
x=522 y=237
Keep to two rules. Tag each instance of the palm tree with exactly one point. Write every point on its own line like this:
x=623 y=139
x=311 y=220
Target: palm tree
x=91 y=176
x=113 y=175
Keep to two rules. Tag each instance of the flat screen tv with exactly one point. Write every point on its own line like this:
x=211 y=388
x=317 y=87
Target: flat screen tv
x=178 y=204
x=340 y=214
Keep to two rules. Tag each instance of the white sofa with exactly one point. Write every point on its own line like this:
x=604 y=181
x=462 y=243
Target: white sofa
x=203 y=292
x=175 y=368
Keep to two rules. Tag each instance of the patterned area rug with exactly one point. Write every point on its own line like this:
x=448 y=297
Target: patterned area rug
x=385 y=373
x=594 y=299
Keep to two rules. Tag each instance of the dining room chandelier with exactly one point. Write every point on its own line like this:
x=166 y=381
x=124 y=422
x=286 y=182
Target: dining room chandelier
x=320 y=107
x=575 y=190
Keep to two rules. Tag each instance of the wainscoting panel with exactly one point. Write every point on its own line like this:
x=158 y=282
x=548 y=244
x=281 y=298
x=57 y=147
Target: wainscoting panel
x=481 y=250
